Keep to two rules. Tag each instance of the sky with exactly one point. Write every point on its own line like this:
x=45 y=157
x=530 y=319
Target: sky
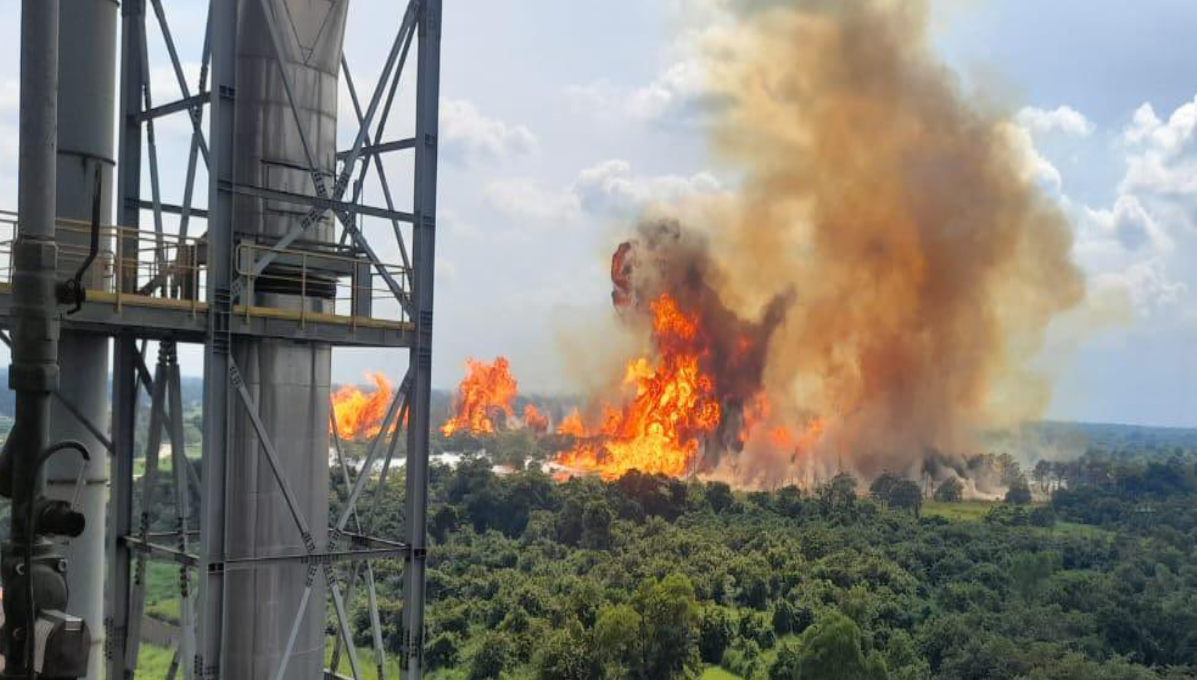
x=560 y=121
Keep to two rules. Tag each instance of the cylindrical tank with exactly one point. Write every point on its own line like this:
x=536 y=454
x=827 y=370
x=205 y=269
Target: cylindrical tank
x=290 y=381
x=86 y=96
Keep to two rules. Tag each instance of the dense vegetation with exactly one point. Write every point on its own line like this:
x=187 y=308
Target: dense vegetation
x=1089 y=574
x=654 y=578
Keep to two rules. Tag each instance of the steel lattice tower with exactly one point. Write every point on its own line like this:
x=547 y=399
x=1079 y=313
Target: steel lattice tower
x=278 y=268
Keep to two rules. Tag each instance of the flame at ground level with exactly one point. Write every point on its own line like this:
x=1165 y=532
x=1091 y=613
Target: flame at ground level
x=357 y=414
x=486 y=394
x=534 y=420
x=674 y=407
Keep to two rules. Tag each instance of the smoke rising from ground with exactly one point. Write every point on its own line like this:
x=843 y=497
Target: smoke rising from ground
x=899 y=219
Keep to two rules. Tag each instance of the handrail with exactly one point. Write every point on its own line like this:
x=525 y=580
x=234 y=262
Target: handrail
x=171 y=269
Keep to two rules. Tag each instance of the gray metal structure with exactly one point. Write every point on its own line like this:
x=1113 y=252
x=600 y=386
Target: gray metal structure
x=258 y=276
x=86 y=110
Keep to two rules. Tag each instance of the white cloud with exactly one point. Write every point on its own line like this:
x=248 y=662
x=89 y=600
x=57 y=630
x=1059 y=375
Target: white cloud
x=676 y=94
x=1063 y=119
x=1035 y=166
x=677 y=90
x=1129 y=223
x=1161 y=160
x=1126 y=249
x=1131 y=246
x=670 y=98
x=610 y=189
x=1146 y=284
x=531 y=199
x=469 y=136
x=607 y=190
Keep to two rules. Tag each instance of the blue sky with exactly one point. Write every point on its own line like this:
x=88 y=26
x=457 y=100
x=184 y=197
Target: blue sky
x=561 y=119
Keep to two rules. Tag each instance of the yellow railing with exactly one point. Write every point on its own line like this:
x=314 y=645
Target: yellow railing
x=166 y=271
x=349 y=284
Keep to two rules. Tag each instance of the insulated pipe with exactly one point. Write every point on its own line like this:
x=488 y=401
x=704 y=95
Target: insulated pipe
x=34 y=372
x=86 y=95
x=289 y=381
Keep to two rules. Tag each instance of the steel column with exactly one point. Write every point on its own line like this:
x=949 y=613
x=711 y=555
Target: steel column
x=120 y=518
x=424 y=262
x=87 y=92
x=128 y=185
x=223 y=17
x=34 y=371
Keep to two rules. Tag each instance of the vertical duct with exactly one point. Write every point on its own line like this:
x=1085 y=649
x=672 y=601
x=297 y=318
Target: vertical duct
x=290 y=381
x=86 y=110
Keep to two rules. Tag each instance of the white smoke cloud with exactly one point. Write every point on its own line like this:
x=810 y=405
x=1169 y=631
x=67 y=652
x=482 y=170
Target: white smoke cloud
x=1063 y=119
x=469 y=136
x=610 y=189
x=1131 y=225
x=607 y=190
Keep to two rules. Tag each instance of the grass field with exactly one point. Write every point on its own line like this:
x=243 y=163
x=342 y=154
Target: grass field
x=975 y=511
x=365 y=662
x=717 y=673
x=153 y=662
x=962 y=511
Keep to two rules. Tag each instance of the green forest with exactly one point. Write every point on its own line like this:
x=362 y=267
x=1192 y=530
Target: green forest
x=652 y=578
x=1084 y=571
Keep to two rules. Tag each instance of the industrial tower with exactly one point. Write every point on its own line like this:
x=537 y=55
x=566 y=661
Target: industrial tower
x=281 y=264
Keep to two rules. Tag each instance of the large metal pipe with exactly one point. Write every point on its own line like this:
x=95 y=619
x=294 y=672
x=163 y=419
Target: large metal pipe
x=86 y=96
x=34 y=372
x=289 y=381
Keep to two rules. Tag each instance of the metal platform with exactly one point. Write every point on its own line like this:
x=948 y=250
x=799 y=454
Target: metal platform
x=187 y=321
x=171 y=300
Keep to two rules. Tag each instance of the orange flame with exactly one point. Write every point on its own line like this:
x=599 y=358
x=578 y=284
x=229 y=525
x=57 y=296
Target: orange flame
x=572 y=425
x=674 y=407
x=534 y=420
x=357 y=414
x=486 y=393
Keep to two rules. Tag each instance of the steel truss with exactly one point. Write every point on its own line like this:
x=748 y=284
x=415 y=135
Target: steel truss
x=197 y=543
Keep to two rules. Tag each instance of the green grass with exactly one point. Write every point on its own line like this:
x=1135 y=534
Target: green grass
x=964 y=511
x=975 y=511
x=717 y=673
x=1082 y=530
x=365 y=662
x=153 y=662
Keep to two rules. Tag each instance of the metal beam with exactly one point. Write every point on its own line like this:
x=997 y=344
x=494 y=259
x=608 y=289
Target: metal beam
x=71 y=407
x=379 y=149
x=149 y=486
x=295 y=626
x=196 y=137
x=181 y=467
x=319 y=204
x=194 y=113
x=401 y=396
x=271 y=10
x=186 y=104
x=372 y=591
x=343 y=215
x=157 y=551
x=218 y=341
x=120 y=514
x=424 y=263
x=381 y=168
x=319 y=557
x=128 y=184
x=170 y=208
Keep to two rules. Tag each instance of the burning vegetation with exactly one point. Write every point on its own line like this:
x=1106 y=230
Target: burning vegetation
x=358 y=414
x=877 y=287
x=486 y=396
